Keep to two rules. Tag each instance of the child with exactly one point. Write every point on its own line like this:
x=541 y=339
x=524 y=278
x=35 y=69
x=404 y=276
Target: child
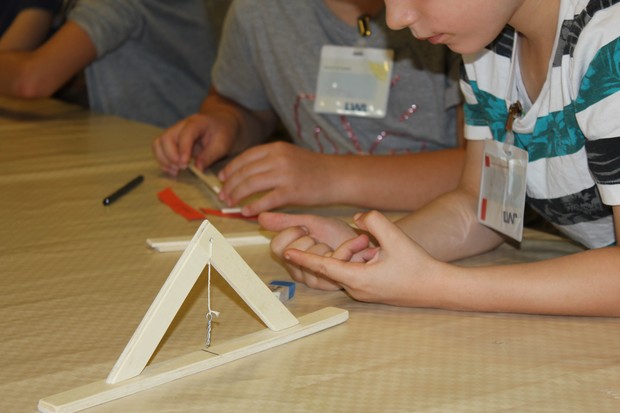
x=146 y=60
x=267 y=68
x=559 y=59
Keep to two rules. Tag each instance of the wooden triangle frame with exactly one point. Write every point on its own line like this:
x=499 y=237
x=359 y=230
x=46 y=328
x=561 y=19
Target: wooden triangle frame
x=130 y=373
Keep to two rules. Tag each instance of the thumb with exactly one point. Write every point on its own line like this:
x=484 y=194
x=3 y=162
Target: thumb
x=381 y=228
x=264 y=202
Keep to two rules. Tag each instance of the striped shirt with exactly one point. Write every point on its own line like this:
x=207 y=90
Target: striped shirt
x=572 y=131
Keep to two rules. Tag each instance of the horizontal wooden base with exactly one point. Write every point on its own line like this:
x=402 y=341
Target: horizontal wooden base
x=101 y=392
x=239 y=239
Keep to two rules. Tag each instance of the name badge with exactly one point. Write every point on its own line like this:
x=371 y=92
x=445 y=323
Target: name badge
x=502 y=188
x=354 y=81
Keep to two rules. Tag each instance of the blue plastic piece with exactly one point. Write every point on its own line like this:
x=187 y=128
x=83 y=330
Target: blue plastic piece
x=289 y=284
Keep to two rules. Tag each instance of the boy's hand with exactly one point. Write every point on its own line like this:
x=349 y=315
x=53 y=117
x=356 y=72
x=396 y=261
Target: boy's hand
x=285 y=173
x=314 y=234
x=206 y=138
x=399 y=272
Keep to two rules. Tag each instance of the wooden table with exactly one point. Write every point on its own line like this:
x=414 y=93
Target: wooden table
x=77 y=277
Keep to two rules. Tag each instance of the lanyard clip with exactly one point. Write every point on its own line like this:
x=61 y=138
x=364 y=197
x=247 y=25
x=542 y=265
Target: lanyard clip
x=514 y=111
x=363 y=25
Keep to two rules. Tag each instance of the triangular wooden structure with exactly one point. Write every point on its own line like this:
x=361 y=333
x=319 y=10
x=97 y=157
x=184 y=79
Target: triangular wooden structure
x=130 y=374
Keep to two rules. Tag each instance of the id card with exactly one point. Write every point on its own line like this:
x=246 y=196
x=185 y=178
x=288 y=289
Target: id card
x=354 y=81
x=502 y=188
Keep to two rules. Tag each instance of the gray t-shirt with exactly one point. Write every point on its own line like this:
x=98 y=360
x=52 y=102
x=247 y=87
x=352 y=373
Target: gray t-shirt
x=269 y=59
x=153 y=57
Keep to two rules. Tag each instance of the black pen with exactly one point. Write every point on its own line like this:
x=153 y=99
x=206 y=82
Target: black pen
x=125 y=189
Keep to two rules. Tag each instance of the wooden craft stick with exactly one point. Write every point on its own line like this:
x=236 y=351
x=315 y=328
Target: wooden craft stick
x=237 y=239
x=208 y=178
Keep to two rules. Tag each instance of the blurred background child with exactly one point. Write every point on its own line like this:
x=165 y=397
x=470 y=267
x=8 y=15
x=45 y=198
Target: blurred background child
x=146 y=60
x=25 y=24
x=266 y=74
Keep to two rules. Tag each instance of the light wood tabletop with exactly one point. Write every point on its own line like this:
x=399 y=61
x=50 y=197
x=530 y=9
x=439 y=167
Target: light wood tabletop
x=77 y=277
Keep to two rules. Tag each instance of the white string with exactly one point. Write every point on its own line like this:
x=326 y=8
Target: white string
x=210 y=312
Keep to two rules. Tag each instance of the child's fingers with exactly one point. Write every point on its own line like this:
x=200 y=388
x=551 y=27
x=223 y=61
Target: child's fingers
x=329 y=268
x=352 y=247
x=288 y=237
x=312 y=279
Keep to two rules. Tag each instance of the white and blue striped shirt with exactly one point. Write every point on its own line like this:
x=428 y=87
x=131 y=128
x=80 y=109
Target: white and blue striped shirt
x=572 y=130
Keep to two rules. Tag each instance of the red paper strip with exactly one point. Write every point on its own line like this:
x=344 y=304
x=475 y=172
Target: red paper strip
x=219 y=213
x=168 y=197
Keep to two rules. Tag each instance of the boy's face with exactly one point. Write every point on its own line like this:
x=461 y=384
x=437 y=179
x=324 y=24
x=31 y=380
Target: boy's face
x=465 y=26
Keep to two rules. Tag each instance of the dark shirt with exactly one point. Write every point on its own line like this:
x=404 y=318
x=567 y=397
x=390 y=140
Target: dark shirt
x=11 y=8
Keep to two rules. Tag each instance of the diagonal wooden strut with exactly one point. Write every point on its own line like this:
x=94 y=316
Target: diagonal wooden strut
x=184 y=275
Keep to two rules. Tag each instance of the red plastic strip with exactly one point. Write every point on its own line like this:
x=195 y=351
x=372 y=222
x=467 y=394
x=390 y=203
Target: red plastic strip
x=219 y=213
x=168 y=197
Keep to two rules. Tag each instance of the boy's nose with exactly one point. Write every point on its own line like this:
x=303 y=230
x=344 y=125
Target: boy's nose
x=400 y=14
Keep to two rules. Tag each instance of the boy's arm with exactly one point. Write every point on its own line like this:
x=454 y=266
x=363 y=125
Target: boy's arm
x=403 y=182
x=42 y=72
x=448 y=227
x=585 y=283
x=394 y=182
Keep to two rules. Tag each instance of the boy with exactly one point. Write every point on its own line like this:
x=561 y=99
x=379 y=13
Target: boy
x=559 y=61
